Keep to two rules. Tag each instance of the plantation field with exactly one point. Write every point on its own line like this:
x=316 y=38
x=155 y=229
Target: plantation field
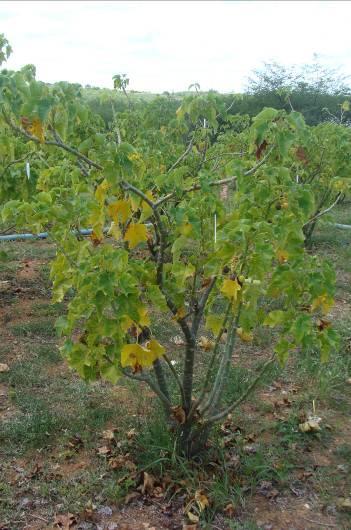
x=97 y=456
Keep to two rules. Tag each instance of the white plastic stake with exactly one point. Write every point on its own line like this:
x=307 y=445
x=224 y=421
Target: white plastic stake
x=28 y=170
x=215 y=228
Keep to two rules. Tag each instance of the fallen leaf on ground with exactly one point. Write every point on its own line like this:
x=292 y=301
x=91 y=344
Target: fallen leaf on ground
x=202 y=500
x=131 y=434
x=229 y=511
x=148 y=484
x=4 y=285
x=311 y=425
x=178 y=340
x=108 y=435
x=345 y=504
x=122 y=461
x=4 y=367
x=104 y=450
x=192 y=517
x=65 y=521
x=75 y=442
x=206 y=344
x=131 y=497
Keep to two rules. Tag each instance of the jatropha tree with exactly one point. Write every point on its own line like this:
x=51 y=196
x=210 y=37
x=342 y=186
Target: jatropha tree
x=164 y=241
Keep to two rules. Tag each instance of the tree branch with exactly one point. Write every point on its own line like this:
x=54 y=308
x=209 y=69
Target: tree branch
x=210 y=366
x=199 y=311
x=151 y=384
x=56 y=143
x=17 y=161
x=225 y=412
x=176 y=377
x=314 y=218
x=227 y=180
x=182 y=156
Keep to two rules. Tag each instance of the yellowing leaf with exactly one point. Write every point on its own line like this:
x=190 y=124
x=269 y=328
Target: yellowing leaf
x=96 y=237
x=230 y=289
x=155 y=348
x=244 y=335
x=36 y=129
x=186 y=229
x=119 y=210
x=134 y=156
x=144 y=317
x=324 y=302
x=146 y=208
x=282 y=256
x=181 y=312
x=114 y=231
x=192 y=517
x=135 y=234
x=101 y=190
x=201 y=500
x=214 y=323
x=135 y=355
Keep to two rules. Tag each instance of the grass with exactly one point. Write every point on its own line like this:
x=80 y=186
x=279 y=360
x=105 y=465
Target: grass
x=43 y=328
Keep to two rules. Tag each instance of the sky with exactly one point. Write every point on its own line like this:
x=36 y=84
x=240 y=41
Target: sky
x=168 y=45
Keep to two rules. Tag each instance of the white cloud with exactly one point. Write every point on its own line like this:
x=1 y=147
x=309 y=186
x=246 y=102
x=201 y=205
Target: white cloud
x=168 y=45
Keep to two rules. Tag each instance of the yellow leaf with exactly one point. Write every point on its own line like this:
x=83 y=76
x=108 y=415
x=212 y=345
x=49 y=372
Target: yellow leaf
x=155 y=348
x=201 y=500
x=244 y=335
x=100 y=192
x=282 y=256
x=192 y=517
x=230 y=289
x=144 y=317
x=96 y=237
x=37 y=130
x=181 y=312
x=186 y=229
x=135 y=234
x=324 y=302
x=119 y=211
x=146 y=209
x=114 y=231
x=134 y=156
x=214 y=323
x=135 y=355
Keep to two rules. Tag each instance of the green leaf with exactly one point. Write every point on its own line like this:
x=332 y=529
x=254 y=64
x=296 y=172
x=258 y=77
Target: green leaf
x=275 y=318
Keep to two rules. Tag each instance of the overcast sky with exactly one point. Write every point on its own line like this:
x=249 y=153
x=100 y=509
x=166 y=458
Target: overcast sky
x=168 y=45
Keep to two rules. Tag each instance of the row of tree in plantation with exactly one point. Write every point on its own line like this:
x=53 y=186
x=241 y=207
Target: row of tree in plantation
x=318 y=92
x=198 y=214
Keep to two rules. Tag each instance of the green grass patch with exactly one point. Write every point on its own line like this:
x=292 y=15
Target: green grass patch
x=43 y=328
